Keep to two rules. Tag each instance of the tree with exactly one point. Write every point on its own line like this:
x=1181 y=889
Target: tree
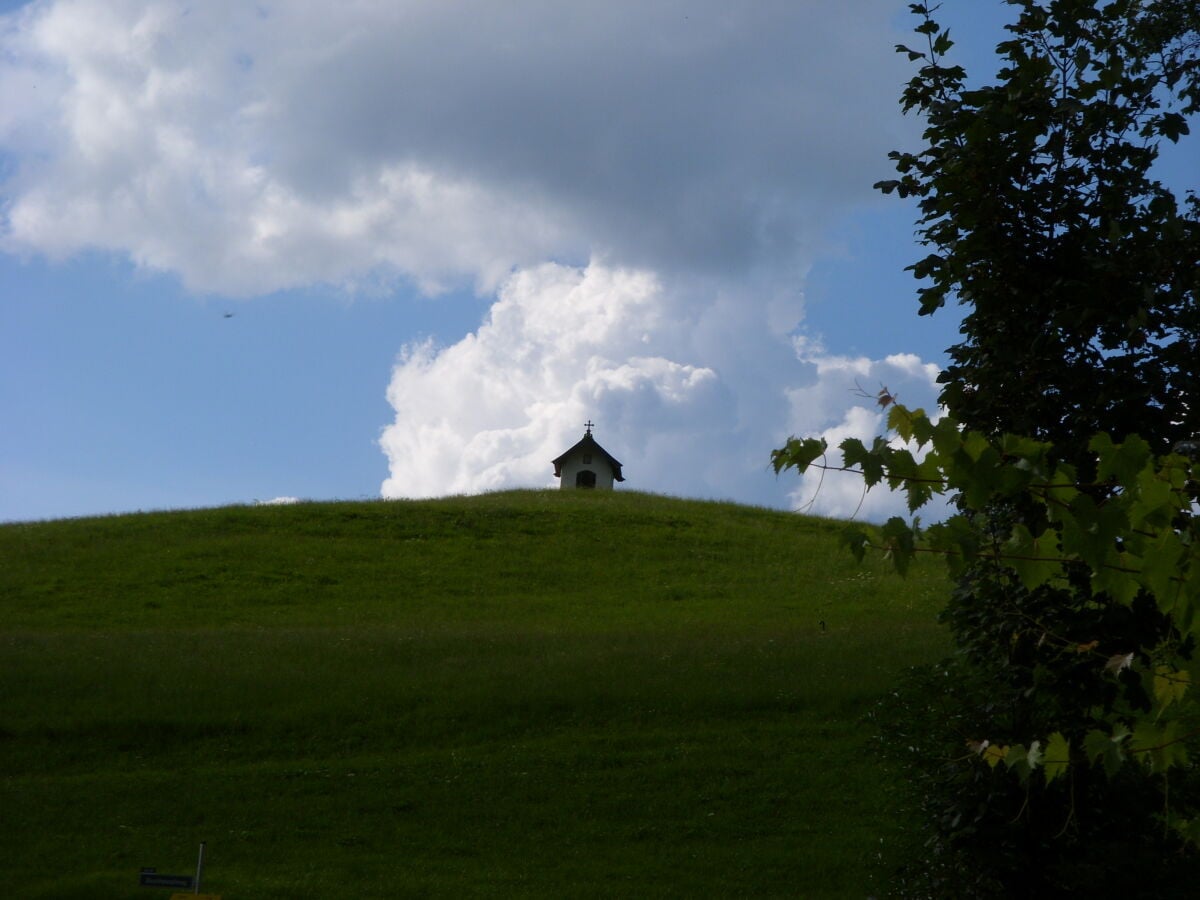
x=1073 y=610
x=1043 y=218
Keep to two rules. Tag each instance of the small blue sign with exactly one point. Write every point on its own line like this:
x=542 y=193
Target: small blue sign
x=153 y=879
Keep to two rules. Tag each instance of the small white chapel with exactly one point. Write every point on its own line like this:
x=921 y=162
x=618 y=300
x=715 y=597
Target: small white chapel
x=587 y=465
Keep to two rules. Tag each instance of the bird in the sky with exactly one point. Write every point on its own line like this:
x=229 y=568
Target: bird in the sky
x=228 y=315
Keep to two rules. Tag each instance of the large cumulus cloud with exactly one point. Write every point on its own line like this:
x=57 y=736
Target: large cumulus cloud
x=560 y=345
x=689 y=391
x=252 y=147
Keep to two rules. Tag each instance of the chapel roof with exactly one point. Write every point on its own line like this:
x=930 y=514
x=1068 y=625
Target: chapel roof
x=588 y=445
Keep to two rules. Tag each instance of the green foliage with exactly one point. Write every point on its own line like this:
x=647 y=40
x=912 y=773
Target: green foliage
x=1039 y=206
x=1075 y=547
x=1086 y=626
x=528 y=693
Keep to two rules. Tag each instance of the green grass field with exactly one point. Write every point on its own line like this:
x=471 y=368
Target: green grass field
x=555 y=694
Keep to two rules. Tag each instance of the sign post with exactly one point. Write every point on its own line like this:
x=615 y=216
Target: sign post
x=200 y=867
x=149 y=877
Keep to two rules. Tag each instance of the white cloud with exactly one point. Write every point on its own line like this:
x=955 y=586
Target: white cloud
x=560 y=345
x=833 y=408
x=253 y=147
x=684 y=415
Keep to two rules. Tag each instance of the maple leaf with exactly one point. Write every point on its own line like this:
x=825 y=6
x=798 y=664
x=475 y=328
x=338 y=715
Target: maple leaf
x=994 y=753
x=1034 y=757
x=1170 y=685
x=1057 y=756
x=1119 y=662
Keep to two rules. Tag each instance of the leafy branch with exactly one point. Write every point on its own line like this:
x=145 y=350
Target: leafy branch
x=1130 y=529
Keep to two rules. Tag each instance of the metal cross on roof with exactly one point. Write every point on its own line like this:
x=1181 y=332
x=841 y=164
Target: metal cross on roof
x=589 y=425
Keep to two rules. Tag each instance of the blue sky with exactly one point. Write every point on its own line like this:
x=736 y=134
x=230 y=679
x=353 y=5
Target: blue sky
x=448 y=234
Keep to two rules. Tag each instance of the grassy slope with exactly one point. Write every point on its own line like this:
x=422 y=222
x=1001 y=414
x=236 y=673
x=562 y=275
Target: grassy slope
x=529 y=693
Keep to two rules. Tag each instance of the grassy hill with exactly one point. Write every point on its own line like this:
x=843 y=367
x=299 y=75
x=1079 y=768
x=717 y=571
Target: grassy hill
x=529 y=693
